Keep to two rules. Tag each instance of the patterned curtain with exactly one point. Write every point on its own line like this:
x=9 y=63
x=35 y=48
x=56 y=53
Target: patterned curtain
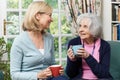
x=74 y=8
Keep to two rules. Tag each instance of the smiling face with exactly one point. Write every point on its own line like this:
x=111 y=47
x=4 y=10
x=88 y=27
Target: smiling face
x=83 y=30
x=38 y=17
x=89 y=27
x=44 y=19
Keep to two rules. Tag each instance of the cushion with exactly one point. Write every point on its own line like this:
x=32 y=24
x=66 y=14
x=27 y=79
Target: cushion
x=115 y=59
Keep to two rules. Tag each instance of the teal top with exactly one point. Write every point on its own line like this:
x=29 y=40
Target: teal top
x=26 y=60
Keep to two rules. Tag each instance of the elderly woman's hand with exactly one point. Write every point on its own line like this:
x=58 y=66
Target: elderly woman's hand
x=70 y=54
x=82 y=53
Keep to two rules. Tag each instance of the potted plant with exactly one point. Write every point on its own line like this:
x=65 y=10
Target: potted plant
x=4 y=65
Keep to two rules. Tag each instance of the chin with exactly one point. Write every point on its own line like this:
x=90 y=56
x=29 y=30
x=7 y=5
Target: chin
x=46 y=27
x=82 y=37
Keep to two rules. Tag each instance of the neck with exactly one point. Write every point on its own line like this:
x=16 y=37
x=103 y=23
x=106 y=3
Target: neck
x=37 y=39
x=89 y=41
x=35 y=34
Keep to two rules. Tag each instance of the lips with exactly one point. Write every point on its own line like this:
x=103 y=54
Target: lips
x=82 y=34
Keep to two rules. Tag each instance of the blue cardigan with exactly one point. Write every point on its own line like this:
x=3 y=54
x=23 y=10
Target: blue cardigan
x=26 y=60
x=101 y=69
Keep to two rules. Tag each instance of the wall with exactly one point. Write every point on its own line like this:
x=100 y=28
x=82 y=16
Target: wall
x=106 y=17
x=2 y=15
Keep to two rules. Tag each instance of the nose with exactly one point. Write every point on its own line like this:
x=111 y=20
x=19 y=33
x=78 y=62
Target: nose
x=80 y=29
x=51 y=19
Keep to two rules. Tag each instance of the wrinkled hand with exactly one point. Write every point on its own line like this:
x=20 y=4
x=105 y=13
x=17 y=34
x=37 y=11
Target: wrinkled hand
x=82 y=53
x=70 y=54
x=44 y=73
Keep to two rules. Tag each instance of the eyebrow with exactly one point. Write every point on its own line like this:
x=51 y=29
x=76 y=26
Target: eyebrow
x=42 y=12
x=45 y=13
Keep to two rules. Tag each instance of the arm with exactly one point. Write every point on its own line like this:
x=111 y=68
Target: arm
x=73 y=67
x=16 y=56
x=101 y=69
x=52 y=51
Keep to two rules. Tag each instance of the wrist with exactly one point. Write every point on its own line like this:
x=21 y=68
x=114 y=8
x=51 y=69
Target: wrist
x=40 y=75
x=74 y=59
x=86 y=55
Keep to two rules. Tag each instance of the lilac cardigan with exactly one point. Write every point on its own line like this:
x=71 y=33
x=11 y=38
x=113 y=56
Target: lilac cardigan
x=101 y=69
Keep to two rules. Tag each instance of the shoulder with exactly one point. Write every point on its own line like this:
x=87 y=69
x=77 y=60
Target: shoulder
x=75 y=41
x=104 y=43
x=20 y=38
x=105 y=46
x=48 y=35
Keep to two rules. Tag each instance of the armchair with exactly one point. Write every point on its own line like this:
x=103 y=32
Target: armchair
x=115 y=59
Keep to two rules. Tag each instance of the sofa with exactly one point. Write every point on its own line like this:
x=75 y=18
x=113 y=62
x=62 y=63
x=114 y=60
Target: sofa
x=115 y=59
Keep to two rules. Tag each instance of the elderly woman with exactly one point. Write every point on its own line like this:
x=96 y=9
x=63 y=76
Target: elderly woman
x=93 y=60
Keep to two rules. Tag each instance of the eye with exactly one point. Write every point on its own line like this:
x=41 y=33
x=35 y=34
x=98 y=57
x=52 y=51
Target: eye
x=50 y=15
x=80 y=25
x=85 y=26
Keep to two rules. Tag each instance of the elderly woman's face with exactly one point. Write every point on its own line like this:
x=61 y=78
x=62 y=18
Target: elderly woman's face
x=83 y=30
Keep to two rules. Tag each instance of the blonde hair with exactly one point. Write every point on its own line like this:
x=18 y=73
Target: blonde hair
x=30 y=22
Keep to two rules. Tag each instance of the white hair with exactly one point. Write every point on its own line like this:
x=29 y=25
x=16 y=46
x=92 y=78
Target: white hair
x=94 y=24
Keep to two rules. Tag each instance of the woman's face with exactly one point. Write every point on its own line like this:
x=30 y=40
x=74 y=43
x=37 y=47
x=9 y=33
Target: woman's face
x=83 y=30
x=45 y=19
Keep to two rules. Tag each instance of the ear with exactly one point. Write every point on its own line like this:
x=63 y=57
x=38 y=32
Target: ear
x=37 y=16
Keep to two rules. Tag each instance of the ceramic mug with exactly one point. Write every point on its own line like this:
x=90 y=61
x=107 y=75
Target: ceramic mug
x=75 y=48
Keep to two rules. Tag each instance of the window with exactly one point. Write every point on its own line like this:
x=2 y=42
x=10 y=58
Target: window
x=15 y=10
